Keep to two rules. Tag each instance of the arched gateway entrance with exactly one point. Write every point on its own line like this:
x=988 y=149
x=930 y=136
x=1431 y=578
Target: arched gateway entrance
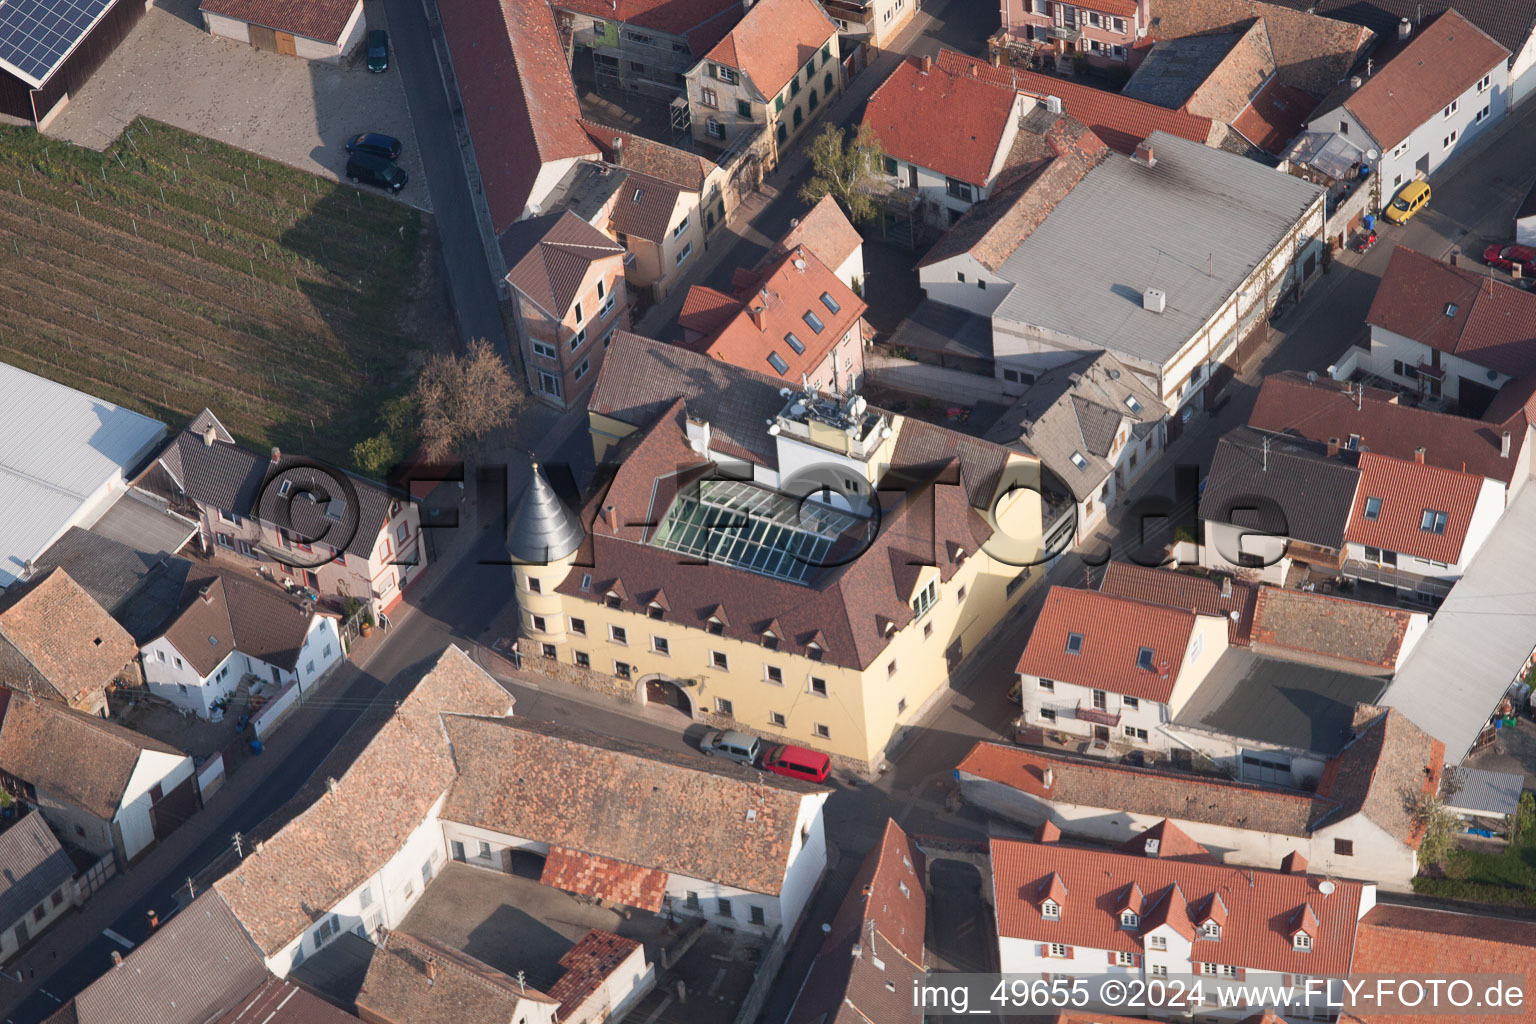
x=663 y=691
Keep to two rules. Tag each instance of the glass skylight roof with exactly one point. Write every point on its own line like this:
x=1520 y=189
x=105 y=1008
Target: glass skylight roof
x=745 y=526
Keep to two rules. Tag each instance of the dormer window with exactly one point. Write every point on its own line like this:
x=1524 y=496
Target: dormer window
x=613 y=600
x=714 y=626
x=1210 y=930
x=1050 y=910
x=770 y=641
x=1129 y=919
x=1074 y=643
x=654 y=610
x=813 y=651
x=1301 y=942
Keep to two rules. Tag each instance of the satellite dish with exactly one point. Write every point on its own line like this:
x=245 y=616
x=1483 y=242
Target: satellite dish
x=1326 y=887
x=1311 y=376
x=1371 y=154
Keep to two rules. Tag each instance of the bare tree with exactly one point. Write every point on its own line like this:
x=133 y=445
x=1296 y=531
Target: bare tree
x=463 y=398
x=845 y=168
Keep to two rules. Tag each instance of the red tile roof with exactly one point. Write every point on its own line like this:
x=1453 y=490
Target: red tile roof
x=774 y=41
x=521 y=106
x=1443 y=60
x=417 y=980
x=638 y=153
x=790 y=289
x=1120 y=121
x=56 y=642
x=1173 y=843
x=1406 y=489
x=588 y=964
x=1201 y=594
x=605 y=878
x=1444 y=944
x=1320 y=410
x=826 y=231
x=1275 y=116
x=324 y=20
x=1114 y=629
x=1262 y=906
x=701 y=22
x=945 y=119
x=1383 y=771
x=706 y=310
x=1365 y=634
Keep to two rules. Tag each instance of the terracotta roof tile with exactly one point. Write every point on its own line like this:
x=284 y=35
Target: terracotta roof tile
x=1406 y=491
x=78 y=758
x=1275 y=116
x=1508 y=21
x=1257 y=934
x=773 y=41
x=947 y=120
x=279 y=1001
x=1382 y=772
x=353 y=828
x=1441 y=61
x=550 y=256
x=789 y=290
x=588 y=964
x=706 y=310
x=638 y=153
x=323 y=20
x=701 y=22
x=1332 y=628
x=1321 y=410
x=1113 y=631
x=1120 y=121
x=238 y=615
x=644 y=206
x=521 y=106
x=56 y=642
x=1203 y=594
x=625 y=802
x=605 y=878
x=415 y=980
x=826 y=231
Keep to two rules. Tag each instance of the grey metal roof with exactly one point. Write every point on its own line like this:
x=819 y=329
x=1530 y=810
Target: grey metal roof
x=58 y=448
x=138 y=589
x=140 y=521
x=1286 y=703
x=1195 y=225
x=32 y=865
x=1478 y=641
x=1289 y=488
x=543 y=527
x=937 y=327
x=337 y=971
x=1485 y=792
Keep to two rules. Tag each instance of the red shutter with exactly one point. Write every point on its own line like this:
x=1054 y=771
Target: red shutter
x=1069 y=952
x=1285 y=981
x=1044 y=976
x=1138 y=959
x=1111 y=959
x=1242 y=972
x=1042 y=950
x=1194 y=967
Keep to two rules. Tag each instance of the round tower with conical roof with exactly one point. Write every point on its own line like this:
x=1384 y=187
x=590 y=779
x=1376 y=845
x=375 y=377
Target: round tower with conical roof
x=543 y=539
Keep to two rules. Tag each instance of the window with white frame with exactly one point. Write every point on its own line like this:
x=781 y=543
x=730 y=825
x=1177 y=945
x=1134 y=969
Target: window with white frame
x=925 y=599
x=661 y=645
x=1058 y=950
x=1158 y=942
x=582 y=368
x=1482 y=115
x=1485 y=84
x=1050 y=910
x=1125 y=960
x=682 y=226
x=687 y=251
x=619 y=635
x=1451 y=109
x=714 y=128
x=549 y=384
x=708 y=98
x=1128 y=918
x=1448 y=141
x=548 y=351
x=1048 y=685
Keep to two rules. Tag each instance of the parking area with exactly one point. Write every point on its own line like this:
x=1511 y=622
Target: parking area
x=294 y=111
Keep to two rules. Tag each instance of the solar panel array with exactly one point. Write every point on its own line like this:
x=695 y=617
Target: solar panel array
x=36 y=34
x=750 y=527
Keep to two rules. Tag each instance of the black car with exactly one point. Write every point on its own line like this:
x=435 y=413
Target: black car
x=373 y=170
x=378 y=50
x=386 y=146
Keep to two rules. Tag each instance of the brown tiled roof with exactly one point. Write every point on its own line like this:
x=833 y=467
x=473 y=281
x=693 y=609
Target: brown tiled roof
x=56 y=642
x=644 y=206
x=701 y=22
x=1114 y=629
x=1382 y=771
x=605 y=878
x=193 y=967
x=1320 y=410
x=1494 y=324
x=887 y=893
x=1443 y=944
x=1509 y=21
x=75 y=757
x=1148 y=791
x=1260 y=906
x=550 y=255
x=627 y=802
x=1275 y=116
x=826 y=231
x=222 y=614
x=945 y=119
x=588 y=964
x=1406 y=490
x=32 y=865
x=1333 y=628
x=323 y=20
x=1166 y=841
x=518 y=96
x=638 y=153
x=773 y=41
x=351 y=830
x=279 y=1001
x=1442 y=61
x=1121 y=122
x=414 y=980
x=1237 y=77
x=788 y=290
x=1201 y=594
x=1050 y=155
x=705 y=310
x=1311 y=53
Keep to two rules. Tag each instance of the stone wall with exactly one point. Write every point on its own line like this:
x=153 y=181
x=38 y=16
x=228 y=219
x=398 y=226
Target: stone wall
x=575 y=675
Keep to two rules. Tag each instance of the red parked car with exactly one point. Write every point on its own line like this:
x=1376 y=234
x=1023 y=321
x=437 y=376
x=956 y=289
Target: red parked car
x=1505 y=257
x=798 y=763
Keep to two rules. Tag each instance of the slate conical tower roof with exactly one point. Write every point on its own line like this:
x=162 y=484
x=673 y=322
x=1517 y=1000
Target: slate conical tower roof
x=543 y=529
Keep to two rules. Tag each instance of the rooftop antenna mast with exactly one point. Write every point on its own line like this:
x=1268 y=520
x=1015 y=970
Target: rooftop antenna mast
x=1266 y=454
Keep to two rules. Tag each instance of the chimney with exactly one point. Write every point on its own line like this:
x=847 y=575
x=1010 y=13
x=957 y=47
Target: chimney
x=208 y=435
x=1048 y=777
x=1404 y=29
x=1455 y=257
x=1053 y=104
x=974 y=72
x=431 y=966
x=1226 y=586
x=1154 y=299
x=206 y=593
x=1333 y=447
x=277 y=455
x=926 y=65
x=117 y=959
x=1354 y=82
x=1294 y=864
x=1418 y=454
x=757 y=315
x=1504 y=445
x=611 y=517
x=1144 y=155
x=1048 y=833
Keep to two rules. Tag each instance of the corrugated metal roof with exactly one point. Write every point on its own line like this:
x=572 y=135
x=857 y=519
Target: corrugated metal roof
x=1195 y=225
x=1478 y=641
x=1494 y=793
x=58 y=448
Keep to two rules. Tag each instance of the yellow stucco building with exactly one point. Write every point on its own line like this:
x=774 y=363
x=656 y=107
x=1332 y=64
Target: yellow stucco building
x=793 y=564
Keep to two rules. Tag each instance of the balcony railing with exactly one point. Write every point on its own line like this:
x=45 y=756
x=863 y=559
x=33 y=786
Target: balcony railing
x=1098 y=716
x=1067 y=33
x=1401 y=579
